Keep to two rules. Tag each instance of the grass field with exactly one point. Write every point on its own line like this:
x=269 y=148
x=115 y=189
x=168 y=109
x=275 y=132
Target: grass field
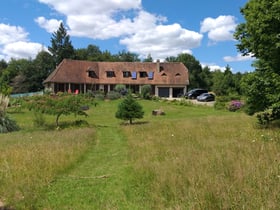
x=194 y=157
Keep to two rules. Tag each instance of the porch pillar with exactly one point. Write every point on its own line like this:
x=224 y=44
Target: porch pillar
x=170 y=92
x=156 y=91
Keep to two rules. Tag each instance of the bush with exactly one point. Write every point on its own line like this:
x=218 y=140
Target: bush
x=113 y=95
x=234 y=105
x=7 y=124
x=146 y=91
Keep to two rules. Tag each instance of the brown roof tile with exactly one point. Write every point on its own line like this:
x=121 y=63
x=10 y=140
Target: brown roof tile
x=76 y=71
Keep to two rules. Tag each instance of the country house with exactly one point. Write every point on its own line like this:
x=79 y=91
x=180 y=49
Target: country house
x=166 y=79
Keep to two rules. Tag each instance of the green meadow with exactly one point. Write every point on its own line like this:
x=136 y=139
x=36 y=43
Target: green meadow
x=193 y=157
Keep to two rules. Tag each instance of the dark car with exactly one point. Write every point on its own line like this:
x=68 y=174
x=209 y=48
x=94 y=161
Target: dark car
x=192 y=94
x=206 y=97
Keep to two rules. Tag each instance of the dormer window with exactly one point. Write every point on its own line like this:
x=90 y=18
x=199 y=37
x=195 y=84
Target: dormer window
x=92 y=74
x=143 y=74
x=110 y=73
x=151 y=75
x=126 y=74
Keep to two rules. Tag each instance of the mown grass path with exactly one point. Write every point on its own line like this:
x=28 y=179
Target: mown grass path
x=98 y=181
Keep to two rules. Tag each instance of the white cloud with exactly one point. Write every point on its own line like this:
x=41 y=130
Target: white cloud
x=238 y=57
x=50 y=25
x=140 y=31
x=14 y=43
x=10 y=34
x=213 y=66
x=162 y=41
x=22 y=49
x=220 y=28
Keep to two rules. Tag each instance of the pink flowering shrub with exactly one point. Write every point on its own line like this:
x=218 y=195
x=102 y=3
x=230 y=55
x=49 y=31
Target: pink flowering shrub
x=234 y=105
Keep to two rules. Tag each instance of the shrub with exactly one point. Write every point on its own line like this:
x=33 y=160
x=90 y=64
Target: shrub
x=234 y=105
x=6 y=124
x=113 y=95
x=146 y=91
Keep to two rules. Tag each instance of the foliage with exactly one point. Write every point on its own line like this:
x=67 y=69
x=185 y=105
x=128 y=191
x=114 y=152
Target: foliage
x=146 y=91
x=120 y=88
x=234 y=105
x=148 y=58
x=65 y=104
x=266 y=117
x=61 y=46
x=129 y=109
x=262 y=90
x=259 y=37
x=6 y=123
x=112 y=95
x=91 y=53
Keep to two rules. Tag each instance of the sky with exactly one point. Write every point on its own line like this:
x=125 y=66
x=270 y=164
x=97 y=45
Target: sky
x=160 y=28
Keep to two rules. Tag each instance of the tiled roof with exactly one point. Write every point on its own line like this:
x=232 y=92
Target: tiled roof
x=76 y=71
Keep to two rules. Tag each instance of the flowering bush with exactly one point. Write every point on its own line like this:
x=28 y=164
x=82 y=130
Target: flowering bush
x=234 y=105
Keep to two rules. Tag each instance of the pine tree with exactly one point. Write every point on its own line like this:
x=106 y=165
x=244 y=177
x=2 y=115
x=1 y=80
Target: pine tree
x=61 y=46
x=129 y=109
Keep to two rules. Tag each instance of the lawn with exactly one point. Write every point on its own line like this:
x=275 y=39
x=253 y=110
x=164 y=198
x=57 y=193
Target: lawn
x=194 y=157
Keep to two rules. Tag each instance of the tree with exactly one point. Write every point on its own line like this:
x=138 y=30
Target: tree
x=124 y=56
x=129 y=109
x=58 y=105
x=148 y=58
x=260 y=36
x=3 y=65
x=61 y=46
x=43 y=66
x=91 y=53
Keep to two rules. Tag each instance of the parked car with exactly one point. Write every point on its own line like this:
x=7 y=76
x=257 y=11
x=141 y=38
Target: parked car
x=192 y=94
x=206 y=97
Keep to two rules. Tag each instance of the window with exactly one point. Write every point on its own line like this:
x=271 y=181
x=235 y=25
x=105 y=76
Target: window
x=143 y=74
x=163 y=74
x=92 y=74
x=110 y=73
x=151 y=75
x=134 y=75
x=161 y=68
x=177 y=75
x=126 y=74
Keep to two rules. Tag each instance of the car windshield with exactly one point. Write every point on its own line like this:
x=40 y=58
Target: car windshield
x=204 y=94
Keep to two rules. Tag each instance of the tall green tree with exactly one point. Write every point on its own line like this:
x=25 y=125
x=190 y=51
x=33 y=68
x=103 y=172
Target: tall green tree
x=149 y=58
x=91 y=53
x=125 y=56
x=61 y=46
x=129 y=109
x=260 y=36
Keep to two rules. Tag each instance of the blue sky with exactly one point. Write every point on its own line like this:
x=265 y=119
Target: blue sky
x=160 y=28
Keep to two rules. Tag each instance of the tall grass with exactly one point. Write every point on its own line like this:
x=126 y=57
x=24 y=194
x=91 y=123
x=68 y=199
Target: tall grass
x=214 y=162
x=30 y=161
x=194 y=157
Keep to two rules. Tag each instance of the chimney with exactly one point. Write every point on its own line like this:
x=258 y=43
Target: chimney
x=158 y=65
